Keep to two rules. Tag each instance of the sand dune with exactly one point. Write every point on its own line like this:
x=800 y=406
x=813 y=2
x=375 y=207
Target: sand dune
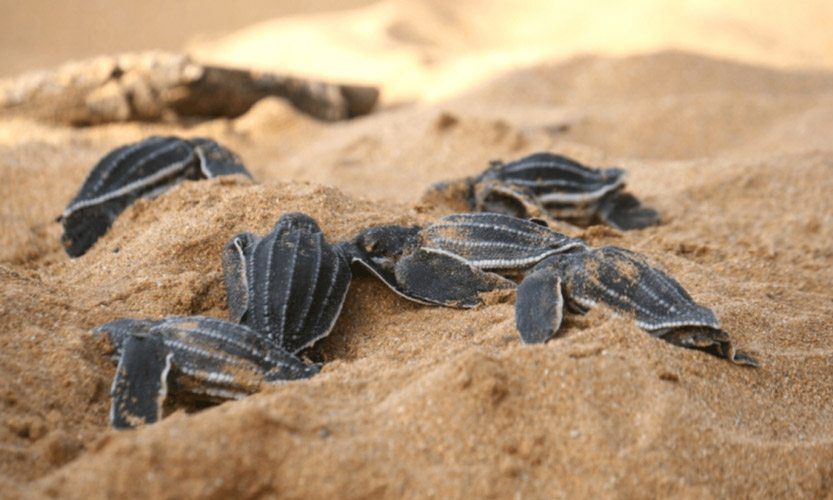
x=414 y=400
x=434 y=49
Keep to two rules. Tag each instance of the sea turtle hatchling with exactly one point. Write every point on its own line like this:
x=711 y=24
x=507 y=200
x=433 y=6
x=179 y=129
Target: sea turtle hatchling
x=461 y=256
x=450 y=262
x=142 y=169
x=546 y=184
x=289 y=285
x=197 y=358
x=624 y=282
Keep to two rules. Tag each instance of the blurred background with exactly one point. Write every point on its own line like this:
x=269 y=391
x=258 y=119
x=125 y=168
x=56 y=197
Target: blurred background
x=412 y=48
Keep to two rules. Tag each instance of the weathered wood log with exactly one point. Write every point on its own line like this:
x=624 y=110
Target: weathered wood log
x=160 y=86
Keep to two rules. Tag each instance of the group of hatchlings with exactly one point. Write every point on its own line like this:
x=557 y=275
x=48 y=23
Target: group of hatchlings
x=285 y=290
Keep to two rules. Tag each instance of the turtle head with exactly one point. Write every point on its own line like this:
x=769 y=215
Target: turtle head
x=494 y=171
x=614 y=175
x=380 y=248
x=118 y=331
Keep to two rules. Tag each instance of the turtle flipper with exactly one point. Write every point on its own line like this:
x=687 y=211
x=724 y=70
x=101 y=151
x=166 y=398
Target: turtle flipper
x=741 y=358
x=139 y=387
x=287 y=367
x=711 y=340
x=445 y=279
x=499 y=197
x=624 y=212
x=216 y=160
x=539 y=307
x=235 y=254
x=83 y=227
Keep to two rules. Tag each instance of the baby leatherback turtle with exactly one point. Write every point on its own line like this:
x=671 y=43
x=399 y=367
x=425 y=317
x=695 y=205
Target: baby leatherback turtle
x=450 y=262
x=623 y=281
x=289 y=285
x=546 y=184
x=143 y=169
x=455 y=260
x=197 y=358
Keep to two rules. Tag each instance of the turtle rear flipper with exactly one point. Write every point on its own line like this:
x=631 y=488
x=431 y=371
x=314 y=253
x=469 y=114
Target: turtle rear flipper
x=440 y=278
x=741 y=358
x=711 y=340
x=139 y=387
x=539 y=306
x=623 y=211
x=288 y=367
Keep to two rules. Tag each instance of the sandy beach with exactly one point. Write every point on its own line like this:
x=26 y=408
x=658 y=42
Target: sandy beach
x=720 y=114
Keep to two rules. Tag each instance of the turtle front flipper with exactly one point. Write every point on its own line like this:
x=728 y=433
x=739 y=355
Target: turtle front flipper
x=139 y=387
x=539 y=307
x=711 y=340
x=623 y=211
x=436 y=277
x=235 y=274
x=496 y=196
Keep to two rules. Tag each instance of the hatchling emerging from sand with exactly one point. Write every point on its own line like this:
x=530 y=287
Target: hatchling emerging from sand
x=195 y=358
x=454 y=260
x=143 y=169
x=549 y=185
x=289 y=285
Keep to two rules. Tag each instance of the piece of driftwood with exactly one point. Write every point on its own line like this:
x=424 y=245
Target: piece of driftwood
x=160 y=86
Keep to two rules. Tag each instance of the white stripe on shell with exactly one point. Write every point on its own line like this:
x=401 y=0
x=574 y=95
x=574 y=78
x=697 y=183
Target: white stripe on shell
x=310 y=298
x=128 y=150
x=553 y=164
x=133 y=186
x=326 y=331
x=552 y=238
x=577 y=197
x=292 y=264
x=175 y=344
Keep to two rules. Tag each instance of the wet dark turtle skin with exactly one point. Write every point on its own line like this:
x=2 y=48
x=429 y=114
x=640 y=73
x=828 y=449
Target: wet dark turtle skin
x=455 y=260
x=142 y=169
x=289 y=285
x=546 y=185
x=198 y=358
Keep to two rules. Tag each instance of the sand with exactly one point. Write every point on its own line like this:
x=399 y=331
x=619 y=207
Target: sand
x=729 y=139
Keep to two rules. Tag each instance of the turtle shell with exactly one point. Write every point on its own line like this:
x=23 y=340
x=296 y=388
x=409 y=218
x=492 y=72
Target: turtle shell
x=212 y=359
x=142 y=169
x=215 y=160
x=289 y=285
x=626 y=283
x=495 y=241
x=556 y=179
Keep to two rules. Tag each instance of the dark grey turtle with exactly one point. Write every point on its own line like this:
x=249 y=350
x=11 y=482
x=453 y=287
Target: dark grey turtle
x=627 y=284
x=546 y=184
x=197 y=358
x=289 y=285
x=142 y=169
x=448 y=263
